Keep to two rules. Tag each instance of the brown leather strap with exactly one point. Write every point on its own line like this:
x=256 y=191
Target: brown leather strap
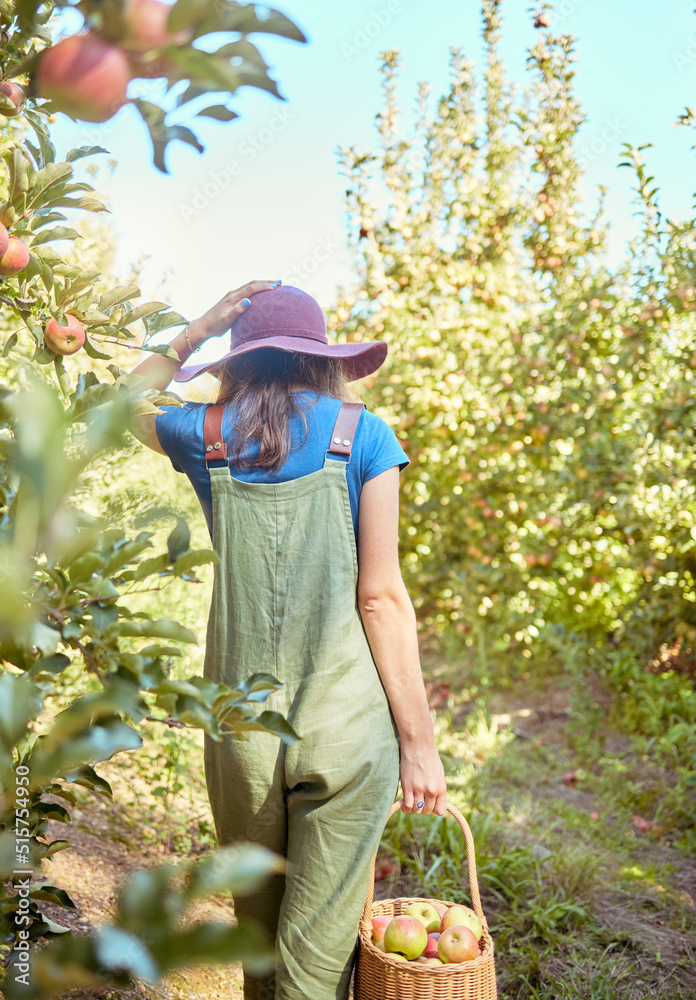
x=345 y=428
x=215 y=447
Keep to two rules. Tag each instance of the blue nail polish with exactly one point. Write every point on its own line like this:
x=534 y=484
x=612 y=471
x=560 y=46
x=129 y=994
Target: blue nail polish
x=246 y=302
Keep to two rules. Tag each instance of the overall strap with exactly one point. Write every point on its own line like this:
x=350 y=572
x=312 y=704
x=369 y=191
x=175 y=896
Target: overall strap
x=344 y=429
x=215 y=447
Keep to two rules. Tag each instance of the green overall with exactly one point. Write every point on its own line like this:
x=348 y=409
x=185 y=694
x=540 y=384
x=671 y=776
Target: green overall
x=284 y=603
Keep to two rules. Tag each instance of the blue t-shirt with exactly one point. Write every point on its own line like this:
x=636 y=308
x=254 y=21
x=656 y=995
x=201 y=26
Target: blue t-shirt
x=375 y=448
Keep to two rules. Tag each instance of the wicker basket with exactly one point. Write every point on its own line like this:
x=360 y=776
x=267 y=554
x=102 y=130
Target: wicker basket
x=378 y=976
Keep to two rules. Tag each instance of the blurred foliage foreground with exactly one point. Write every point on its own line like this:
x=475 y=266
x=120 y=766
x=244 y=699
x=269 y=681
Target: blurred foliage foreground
x=85 y=665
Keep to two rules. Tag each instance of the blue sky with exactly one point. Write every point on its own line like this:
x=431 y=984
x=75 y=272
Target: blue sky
x=636 y=71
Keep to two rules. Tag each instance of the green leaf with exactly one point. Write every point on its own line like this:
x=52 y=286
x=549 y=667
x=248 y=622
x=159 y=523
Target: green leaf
x=38 y=221
x=238 y=869
x=258 y=682
x=55 y=846
x=162 y=134
x=44 y=638
x=117 y=295
x=157 y=564
x=48 y=255
x=179 y=540
x=46 y=147
x=160 y=629
x=45 y=180
x=271 y=722
x=219 y=942
x=89 y=204
x=165 y=350
x=184 y=13
x=197 y=557
x=120 y=951
x=49 y=893
x=10 y=343
x=229 y=16
x=86 y=775
x=54 y=811
x=219 y=112
x=93 y=352
x=80 y=151
x=20 y=701
x=59 y=233
x=53 y=665
x=139 y=312
x=163 y=321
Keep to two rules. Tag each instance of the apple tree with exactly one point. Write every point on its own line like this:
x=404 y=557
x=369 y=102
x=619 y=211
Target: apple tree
x=67 y=578
x=544 y=397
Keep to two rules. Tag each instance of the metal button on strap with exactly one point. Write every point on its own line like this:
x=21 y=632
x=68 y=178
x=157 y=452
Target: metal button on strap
x=346 y=443
x=217 y=445
x=337 y=440
x=209 y=447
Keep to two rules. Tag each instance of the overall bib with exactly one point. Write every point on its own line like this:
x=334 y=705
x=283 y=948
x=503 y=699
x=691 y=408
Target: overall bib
x=284 y=603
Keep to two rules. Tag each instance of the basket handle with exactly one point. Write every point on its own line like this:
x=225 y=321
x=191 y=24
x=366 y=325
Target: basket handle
x=471 y=865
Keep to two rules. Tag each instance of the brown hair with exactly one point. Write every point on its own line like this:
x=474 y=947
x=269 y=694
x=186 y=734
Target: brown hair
x=258 y=386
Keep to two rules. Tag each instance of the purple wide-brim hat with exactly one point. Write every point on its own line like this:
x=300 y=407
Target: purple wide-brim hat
x=289 y=319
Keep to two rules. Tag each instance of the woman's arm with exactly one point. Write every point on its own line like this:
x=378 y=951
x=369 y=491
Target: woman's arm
x=157 y=372
x=390 y=626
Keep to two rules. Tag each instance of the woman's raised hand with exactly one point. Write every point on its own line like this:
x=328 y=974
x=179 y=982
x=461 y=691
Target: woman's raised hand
x=220 y=317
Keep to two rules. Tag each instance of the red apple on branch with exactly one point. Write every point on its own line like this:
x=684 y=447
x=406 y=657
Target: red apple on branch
x=14 y=93
x=84 y=76
x=15 y=258
x=146 y=26
x=64 y=340
x=406 y=936
x=4 y=240
x=146 y=29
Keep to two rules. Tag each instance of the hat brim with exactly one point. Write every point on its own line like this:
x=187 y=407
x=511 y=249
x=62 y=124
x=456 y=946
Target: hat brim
x=359 y=359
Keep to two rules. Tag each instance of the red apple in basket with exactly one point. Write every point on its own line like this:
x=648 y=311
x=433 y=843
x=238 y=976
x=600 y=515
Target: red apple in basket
x=430 y=961
x=441 y=908
x=457 y=944
x=462 y=916
x=426 y=913
x=431 y=947
x=379 y=926
x=406 y=936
